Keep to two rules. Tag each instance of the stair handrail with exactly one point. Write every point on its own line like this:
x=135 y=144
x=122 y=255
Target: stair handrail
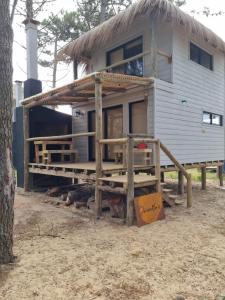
x=182 y=170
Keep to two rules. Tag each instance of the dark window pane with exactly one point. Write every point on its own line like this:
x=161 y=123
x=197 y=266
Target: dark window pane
x=206 y=60
x=126 y=51
x=201 y=57
x=133 y=48
x=194 y=55
x=135 y=67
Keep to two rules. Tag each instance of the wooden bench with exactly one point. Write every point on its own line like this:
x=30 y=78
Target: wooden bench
x=72 y=154
x=62 y=148
x=147 y=155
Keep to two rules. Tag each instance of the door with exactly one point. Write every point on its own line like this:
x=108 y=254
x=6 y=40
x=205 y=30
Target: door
x=138 y=117
x=112 y=129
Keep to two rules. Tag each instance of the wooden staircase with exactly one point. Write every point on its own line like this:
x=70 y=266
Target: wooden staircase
x=132 y=179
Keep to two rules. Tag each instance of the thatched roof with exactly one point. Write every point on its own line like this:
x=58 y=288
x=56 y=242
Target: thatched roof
x=81 y=48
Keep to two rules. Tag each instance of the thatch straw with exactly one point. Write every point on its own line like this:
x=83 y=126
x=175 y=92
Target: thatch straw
x=81 y=48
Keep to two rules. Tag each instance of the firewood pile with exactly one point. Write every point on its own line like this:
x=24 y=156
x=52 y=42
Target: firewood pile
x=83 y=196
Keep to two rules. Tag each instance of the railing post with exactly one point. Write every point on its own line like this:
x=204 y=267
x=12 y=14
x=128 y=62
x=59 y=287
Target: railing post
x=158 y=166
x=189 y=191
x=98 y=145
x=130 y=182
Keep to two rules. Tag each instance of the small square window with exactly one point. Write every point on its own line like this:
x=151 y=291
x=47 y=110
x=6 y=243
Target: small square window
x=212 y=119
x=206 y=118
x=216 y=120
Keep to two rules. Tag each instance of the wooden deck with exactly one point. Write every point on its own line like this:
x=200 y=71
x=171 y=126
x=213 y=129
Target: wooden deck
x=85 y=170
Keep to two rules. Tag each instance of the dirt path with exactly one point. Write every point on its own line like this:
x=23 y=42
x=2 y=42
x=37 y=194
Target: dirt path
x=63 y=254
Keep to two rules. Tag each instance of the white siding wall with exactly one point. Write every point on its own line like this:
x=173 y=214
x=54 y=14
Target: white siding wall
x=179 y=125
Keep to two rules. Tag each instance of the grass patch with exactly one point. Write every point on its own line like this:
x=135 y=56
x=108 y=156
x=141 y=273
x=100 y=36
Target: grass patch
x=195 y=173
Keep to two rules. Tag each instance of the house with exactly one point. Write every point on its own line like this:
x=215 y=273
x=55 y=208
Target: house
x=184 y=107
x=154 y=87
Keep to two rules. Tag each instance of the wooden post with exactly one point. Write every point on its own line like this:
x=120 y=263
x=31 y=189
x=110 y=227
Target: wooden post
x=158 y=166
x=153 y=50
x=180 y=183
x=203 y=177
x=189 y=191
x=98 y=146
x=130 y=182
x=26 y=135
x=220 y=174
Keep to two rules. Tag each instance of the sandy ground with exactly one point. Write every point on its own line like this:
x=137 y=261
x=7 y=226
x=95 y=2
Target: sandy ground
x=64 y=254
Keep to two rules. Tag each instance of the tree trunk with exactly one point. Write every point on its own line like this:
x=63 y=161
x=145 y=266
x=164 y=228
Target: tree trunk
x=103 y=11
x=6 y=169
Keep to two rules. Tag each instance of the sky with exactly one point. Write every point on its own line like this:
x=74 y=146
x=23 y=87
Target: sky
x=65 y=74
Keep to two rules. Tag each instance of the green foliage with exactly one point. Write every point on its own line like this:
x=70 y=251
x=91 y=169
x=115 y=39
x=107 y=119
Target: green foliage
x=195 y=175
x=93 y=12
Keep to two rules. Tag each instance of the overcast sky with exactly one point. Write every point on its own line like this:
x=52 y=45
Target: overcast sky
x=215 y=23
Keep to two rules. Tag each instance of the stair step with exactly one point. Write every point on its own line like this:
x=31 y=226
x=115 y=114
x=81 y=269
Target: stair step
x=167 y=190
x=179 y=201
x=173 y=197
x=162 y=184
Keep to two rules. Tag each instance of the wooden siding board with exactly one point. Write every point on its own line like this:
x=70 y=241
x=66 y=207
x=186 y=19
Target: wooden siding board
x=180 y=126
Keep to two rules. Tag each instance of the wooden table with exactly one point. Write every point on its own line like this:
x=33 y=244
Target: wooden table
x=147 y=155
x=63 y=148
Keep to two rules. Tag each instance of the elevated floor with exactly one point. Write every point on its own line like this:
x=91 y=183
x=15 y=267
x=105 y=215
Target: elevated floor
x=86 y=170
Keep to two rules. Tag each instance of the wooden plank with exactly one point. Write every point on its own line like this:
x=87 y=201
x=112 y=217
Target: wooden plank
x=130 y=182
x=113 y=141
x=26 y=133
x=60 y=151
x=123 y=179
x=61 y=137
x=98 y=145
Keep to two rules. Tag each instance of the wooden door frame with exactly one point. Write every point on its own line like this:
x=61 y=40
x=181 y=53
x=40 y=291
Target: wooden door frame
x=105 y=133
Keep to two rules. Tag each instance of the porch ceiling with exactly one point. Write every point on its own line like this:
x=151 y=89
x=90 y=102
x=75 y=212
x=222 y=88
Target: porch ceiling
x=83 y=90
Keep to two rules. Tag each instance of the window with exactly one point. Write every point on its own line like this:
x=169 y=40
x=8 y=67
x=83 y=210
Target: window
x=128 y=50
x=201 y=57
x=212 y=119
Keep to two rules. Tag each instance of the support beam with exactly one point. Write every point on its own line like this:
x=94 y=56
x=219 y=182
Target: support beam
x=130 y=182
x=98 y=145
x=203 y=177
x=189 y=191
x=220 y=174
x=26 y=133
x=157 y=166
x=153 y=50
x=180 y=183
